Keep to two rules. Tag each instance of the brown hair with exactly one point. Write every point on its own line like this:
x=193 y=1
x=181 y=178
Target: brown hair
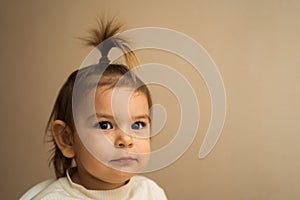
x=104 y=38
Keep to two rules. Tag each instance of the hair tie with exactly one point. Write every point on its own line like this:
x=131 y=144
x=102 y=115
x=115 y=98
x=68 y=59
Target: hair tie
x=104 y=60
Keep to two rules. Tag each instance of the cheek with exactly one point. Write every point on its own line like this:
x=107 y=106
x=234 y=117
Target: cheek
x=143 y=146
x=96 y=146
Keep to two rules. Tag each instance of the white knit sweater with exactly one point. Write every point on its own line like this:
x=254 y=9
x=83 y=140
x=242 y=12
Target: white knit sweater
x=138 y=188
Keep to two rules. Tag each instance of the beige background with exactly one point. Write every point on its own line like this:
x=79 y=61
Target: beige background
x=255 y=44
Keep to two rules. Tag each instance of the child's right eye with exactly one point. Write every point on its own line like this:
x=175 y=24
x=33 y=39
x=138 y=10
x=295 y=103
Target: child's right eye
x=105 y=125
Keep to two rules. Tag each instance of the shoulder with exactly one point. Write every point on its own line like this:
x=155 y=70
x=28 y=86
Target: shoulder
x=36 y=189
x=144 y=186
x=50 y=189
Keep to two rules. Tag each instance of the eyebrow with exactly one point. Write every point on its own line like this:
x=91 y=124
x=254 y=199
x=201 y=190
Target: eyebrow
x=108 y=116
x=145 y=116
x=100 y=115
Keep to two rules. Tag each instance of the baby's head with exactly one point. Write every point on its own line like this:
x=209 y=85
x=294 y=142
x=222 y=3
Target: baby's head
x=101 y=119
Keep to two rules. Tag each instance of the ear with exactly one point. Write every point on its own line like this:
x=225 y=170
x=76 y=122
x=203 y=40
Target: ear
x=63 y=137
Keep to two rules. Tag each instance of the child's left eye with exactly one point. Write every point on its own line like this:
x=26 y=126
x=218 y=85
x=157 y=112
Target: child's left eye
x=138 y=125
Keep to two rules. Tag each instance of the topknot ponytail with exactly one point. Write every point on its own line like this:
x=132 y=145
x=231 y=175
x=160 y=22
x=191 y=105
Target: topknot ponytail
x=106 y=37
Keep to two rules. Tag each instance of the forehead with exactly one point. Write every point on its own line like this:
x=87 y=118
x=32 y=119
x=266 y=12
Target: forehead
x=120 y=99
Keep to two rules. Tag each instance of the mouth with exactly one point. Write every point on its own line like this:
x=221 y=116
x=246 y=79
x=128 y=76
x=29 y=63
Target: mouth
x=124 y=160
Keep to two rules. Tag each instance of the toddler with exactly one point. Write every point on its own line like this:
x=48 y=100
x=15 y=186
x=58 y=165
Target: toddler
x=100 y=127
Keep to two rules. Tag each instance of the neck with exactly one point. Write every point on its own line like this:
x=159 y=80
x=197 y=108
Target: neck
x=92 y=183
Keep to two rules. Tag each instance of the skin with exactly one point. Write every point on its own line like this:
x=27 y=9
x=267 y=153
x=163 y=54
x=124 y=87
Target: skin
x=111 y=146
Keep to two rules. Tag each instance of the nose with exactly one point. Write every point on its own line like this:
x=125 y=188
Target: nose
x=123 y=140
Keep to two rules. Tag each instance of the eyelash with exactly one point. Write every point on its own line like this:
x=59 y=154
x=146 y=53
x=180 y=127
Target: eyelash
x=143 y=124
x=106 y=125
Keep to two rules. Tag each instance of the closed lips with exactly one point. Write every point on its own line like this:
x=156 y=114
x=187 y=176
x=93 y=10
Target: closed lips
x=124 y=159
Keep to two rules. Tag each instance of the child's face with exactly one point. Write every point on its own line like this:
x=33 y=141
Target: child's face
x=114 y=145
